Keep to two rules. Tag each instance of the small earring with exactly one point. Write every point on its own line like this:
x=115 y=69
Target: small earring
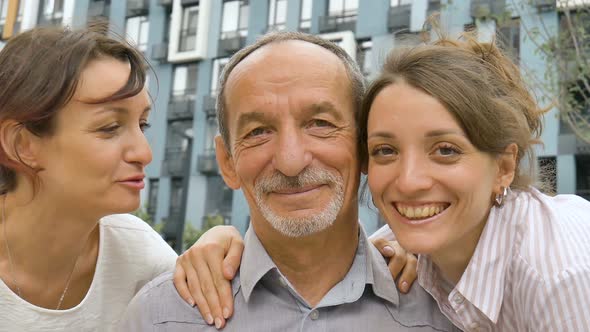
x=500 y=197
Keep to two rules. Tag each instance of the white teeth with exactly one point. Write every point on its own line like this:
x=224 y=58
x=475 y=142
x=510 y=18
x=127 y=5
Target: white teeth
x=420 y=212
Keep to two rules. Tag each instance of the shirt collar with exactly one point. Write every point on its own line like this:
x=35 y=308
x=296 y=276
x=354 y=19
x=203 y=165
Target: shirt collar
x=368 y=267
x=487 y=266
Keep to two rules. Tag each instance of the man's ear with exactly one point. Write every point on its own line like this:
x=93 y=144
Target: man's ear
x=226 y=164
x=507 y=162
x=20 y=145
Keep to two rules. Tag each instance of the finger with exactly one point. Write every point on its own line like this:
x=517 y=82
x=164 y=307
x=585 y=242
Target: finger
x=398 y=261
x=207 y=283
x=181 y=284
x=409 y=274
x=384 y=246
x=222 y=285
x=195 y=289
x=232 y=260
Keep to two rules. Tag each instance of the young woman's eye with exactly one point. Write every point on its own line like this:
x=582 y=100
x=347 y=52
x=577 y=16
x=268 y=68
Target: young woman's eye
x=382 y=151
x=447 y=150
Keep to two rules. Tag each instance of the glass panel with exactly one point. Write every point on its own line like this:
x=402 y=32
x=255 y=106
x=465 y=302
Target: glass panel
x=281 y=14
x=306 y=10
x=3 y=10
x=272 y=12
x=218 y=65
x=244 y=15
x=335 y=7
x=132 y=29
x=188 y=33
x=143 y=33
x=179 y=85
x=231 y=11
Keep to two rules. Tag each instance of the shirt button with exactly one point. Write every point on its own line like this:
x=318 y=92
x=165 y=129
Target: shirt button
x=458 y=299
x=314 y=315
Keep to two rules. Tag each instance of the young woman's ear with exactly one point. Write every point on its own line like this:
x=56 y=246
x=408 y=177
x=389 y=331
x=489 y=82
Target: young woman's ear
x=507 y=162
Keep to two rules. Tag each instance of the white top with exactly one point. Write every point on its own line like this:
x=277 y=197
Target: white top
x=530 y=270
x=130 y=254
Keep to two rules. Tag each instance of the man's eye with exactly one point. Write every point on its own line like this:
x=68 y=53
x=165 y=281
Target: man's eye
x=257 y=132
x=321 y=123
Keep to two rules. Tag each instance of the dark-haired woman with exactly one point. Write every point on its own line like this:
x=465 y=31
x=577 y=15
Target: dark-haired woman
x=73 y=110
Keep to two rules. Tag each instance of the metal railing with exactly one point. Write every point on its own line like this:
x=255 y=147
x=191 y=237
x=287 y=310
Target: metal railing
x=181 y=106
x=399 y=17
x=334 y=23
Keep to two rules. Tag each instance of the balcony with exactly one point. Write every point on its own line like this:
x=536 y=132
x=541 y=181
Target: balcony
x=484 y=9
x=181 y=107
x=165 y=3
x=338 y=23
x=137 y=7
x=231 y=42
x=210 y=105
x=174 y=160
x=399 y=17
x=544 y=5
x=207 y=163
x=98 y=8
x=160 y=52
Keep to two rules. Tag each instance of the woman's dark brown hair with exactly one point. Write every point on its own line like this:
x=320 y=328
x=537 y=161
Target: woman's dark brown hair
x=478 y=84
x=39 y=73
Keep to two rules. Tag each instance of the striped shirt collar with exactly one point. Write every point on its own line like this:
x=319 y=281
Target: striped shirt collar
x=488 y=265
x=368 y=267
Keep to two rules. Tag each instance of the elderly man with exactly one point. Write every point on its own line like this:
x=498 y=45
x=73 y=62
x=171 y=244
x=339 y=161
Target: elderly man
x=286 y=114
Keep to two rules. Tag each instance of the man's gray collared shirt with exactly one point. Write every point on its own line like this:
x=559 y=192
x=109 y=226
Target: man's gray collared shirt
x=365 y=300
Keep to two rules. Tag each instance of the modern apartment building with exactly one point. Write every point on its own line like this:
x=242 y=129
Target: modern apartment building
x=189 y=41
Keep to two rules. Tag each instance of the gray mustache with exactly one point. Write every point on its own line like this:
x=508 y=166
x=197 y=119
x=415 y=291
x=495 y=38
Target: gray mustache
x=278 y=181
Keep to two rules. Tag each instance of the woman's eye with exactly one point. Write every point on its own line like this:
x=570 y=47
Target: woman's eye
x=382 y=151
x=110 y=129
x=448 y=150
x=144 y=126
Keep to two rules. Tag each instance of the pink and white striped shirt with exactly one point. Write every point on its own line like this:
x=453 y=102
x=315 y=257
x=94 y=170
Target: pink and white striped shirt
x=530 y=270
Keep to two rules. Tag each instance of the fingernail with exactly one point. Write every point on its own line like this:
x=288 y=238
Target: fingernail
x=218 y=323
x=191 y=302
x=209 y=319
x=226 y=312
x=404 y=286
x=388 y=250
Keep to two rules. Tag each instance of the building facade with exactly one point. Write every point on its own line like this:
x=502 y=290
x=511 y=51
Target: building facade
x=189 y=41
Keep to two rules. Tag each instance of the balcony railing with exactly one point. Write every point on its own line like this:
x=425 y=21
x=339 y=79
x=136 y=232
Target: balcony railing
x=174 y=161
x=137 y=7
x=399 y=17
x=487 y=8
x=544 y=5
x=207 y=163
x=338 y=23
x=181 y=107
x=231 y=41
x=165 y=3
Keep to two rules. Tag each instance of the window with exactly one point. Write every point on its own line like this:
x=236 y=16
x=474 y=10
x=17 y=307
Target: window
x=365 y=56
x=235 y=19
x=136 y=30
x=53 y=8
x=395 y=3
x=185 y=80
x=305 y=21
x=218 y=65
x=188 y=33
x=211 y=131
x=175 y=199
x=509 y=38
x=343 y=7
x=277 y=14
x=583 y=175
